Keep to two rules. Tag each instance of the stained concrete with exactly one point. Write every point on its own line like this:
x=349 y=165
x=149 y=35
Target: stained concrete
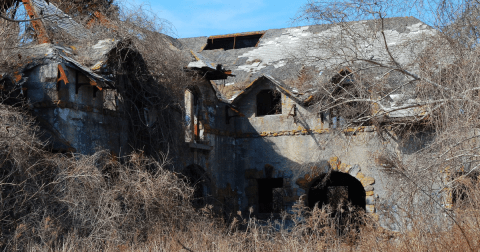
x=75 y=122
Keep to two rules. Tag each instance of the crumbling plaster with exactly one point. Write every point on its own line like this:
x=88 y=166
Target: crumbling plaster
x=76 y=122
x=294 y=145
x=296 y=148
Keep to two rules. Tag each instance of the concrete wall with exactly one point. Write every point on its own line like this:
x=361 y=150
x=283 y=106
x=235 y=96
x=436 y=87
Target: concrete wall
x=298 y=149
x=212 y=151
x=74 y=121
x=236 y=148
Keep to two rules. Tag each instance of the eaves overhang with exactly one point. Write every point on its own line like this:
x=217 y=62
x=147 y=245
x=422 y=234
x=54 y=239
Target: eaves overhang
x=278 y=84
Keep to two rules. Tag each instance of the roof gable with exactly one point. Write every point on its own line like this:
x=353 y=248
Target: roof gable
x=278 y=84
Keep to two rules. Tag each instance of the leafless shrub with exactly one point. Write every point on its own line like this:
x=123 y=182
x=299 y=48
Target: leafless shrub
x=98 y=198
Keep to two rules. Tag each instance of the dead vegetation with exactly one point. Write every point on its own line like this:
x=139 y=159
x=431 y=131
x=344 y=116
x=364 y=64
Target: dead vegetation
x=48 y=198
x=58 y=202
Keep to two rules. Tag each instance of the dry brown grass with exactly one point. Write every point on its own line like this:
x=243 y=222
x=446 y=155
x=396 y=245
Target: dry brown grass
x=56 y=202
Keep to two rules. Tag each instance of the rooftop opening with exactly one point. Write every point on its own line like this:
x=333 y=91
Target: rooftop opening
x=228 y=42
x=269 y=102
x=270 y=195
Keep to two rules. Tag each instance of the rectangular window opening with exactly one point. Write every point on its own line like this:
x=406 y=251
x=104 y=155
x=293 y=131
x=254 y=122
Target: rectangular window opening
x=269 y=102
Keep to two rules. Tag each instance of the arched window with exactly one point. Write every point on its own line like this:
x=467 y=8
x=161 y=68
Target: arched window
x=269 y=102
x=193 y=130
x=189 y=115
x=344 y=91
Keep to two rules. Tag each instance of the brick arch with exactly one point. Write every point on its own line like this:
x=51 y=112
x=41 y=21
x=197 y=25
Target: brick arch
x=335 y=164
x=336 y=189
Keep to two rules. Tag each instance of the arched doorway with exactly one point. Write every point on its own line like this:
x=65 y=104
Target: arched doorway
x=198 y=179
x=338 y=190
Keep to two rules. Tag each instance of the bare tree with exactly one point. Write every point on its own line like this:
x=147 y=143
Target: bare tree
x=429 y=81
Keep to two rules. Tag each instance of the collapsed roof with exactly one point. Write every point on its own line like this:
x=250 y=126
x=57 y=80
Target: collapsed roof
x=240 y=59
x=85 y=54
x=282 y=54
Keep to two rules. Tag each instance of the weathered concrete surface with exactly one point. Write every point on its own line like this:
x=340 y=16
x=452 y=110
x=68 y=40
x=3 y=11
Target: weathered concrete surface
x=294 y=145
x=297 y=149
x=76 y=122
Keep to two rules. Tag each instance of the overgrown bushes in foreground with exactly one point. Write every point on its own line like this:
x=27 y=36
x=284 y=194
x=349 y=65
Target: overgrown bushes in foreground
x=58 y=202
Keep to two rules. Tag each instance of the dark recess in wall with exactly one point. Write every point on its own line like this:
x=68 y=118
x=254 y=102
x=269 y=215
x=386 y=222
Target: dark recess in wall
x=270 y=198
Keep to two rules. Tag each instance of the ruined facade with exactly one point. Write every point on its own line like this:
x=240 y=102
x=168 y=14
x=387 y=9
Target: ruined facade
x=75 y=106
x=263 y=145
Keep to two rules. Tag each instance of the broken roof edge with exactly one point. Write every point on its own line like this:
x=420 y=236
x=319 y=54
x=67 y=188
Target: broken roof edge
x=205 y=64
x=100 y=80
x=201 y=59
x=237 y=34
x=279 y=84
x=218 y=94
x=390 y=21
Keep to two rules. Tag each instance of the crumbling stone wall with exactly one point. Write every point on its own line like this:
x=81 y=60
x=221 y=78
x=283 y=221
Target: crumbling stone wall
x=73 y=119
x=299 y=146
x=213 y=149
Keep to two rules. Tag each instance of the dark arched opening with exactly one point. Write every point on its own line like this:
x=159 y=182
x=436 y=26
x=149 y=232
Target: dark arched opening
x=198 y=179
x=338 y=190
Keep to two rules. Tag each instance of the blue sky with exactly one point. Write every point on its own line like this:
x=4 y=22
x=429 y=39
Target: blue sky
x=193 y=18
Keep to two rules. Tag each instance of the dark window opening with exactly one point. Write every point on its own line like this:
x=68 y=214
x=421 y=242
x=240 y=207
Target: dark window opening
x=415 y=138
x=195 y=176
x=269 y=102
x=323 y=117
x=235 y=42
x=344 y=84
x=353 y=112
x=270 y=195
x=343 y=77
x=462 y=189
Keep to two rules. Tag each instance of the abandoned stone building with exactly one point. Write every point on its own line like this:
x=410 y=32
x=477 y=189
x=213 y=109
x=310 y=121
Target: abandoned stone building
x=266 y=144
x=252 y=135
